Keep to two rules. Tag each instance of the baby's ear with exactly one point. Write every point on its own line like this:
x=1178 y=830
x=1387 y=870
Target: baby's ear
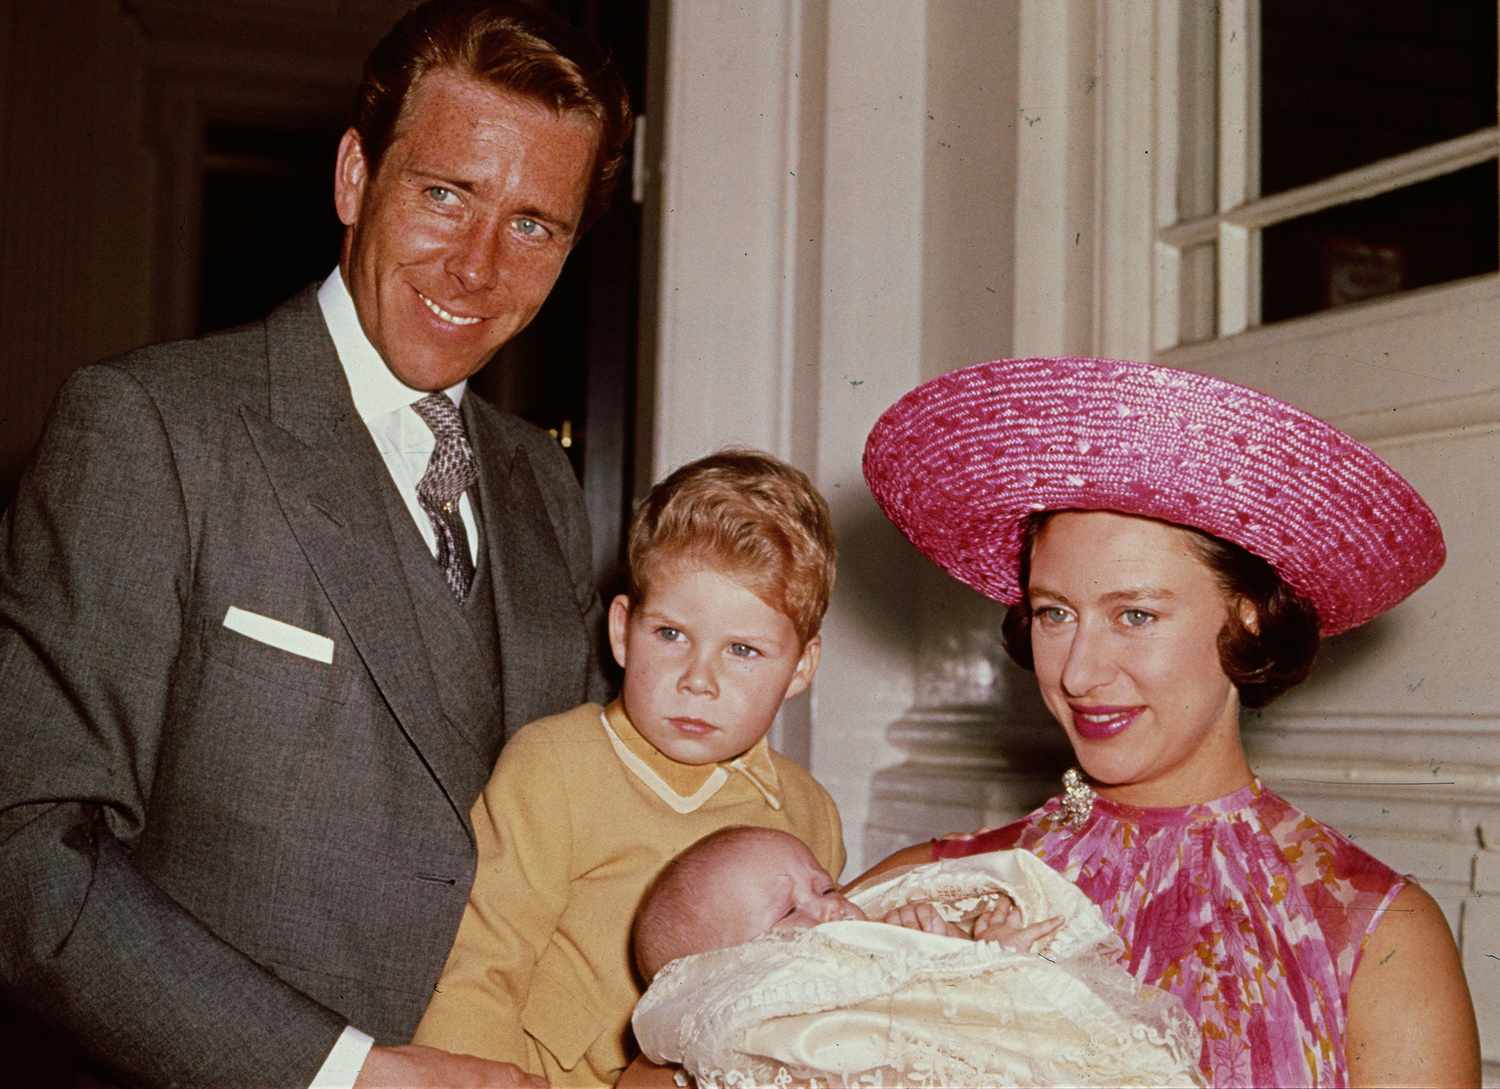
x=807 y=665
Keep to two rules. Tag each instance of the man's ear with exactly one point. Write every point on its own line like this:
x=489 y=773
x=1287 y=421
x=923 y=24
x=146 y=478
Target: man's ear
x=807 y=665
x=619 y=619
x=350 y=173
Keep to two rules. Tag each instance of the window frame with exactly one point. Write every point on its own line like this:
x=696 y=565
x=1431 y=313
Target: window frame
x=1176 y=103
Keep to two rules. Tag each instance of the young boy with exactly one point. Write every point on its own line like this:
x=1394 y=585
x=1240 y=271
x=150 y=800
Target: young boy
x=731 y=563
x=744 y=991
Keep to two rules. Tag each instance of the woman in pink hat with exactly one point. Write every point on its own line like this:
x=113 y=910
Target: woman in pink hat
x=1172 y=547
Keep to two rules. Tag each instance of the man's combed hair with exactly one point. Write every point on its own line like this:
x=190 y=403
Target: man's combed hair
x=514 y=47
x=1262 y=662
x=752 y=516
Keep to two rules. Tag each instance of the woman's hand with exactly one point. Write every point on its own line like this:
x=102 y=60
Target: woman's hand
x=924 y=917
x=1002 y=924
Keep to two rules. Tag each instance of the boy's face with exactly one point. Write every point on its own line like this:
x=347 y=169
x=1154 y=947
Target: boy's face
x=775 y=883
x=707 y=663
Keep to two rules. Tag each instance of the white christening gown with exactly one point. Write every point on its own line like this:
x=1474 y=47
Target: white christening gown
x=868 y=1004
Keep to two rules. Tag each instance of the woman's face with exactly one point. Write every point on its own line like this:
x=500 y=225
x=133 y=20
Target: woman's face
x=1124 y=632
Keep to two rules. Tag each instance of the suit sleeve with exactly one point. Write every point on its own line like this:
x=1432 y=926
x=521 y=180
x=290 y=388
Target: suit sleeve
x=96 y=561
x=525 y=841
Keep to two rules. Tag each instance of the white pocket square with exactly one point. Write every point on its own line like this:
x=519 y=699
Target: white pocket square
x=283 y=636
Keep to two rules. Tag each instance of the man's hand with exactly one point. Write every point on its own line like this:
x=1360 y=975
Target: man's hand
x=417 y=1067
x=1002 y=924
x=922 y=916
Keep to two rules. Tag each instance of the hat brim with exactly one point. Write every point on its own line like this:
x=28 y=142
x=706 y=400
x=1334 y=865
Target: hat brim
x=960 y=463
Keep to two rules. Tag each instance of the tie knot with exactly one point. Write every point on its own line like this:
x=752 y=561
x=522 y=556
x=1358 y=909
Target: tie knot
x=450 y=469
x=440 y=415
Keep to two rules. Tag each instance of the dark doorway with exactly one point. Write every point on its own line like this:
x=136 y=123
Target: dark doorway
x=269 y=226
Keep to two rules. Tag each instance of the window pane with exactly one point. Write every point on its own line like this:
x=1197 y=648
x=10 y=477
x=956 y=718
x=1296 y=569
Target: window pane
x=1425 y=234
x=1346 y=83
x=1197 y=109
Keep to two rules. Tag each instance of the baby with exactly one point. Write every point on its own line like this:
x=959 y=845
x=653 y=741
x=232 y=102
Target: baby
x=741 y=882
x=748 y=986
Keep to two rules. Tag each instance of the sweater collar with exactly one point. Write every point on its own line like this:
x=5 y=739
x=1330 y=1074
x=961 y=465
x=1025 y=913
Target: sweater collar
x=687 y=787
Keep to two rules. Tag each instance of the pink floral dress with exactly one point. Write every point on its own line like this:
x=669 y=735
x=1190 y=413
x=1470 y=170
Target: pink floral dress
x=1250 y=911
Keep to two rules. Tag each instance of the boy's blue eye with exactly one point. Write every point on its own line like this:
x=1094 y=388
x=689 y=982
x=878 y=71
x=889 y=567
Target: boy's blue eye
x=743 y=650
x=668 y=635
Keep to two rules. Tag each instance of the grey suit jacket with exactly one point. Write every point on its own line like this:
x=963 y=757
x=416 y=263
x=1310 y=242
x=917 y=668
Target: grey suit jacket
x=215 y=853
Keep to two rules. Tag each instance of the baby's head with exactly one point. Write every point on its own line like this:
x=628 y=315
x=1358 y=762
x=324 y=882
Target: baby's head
x=733 y=885
x=731 y=565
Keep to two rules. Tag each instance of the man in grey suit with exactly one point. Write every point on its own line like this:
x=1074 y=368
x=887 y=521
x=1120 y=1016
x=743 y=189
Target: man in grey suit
x=270 y=600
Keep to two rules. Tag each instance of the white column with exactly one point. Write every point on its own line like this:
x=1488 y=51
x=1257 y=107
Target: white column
x=730 y=148
x=871 y=313
x=790 y=306
x=838 y=223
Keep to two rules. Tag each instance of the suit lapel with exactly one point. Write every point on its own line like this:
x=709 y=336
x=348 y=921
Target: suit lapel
x=540 y=649
x=329 y=477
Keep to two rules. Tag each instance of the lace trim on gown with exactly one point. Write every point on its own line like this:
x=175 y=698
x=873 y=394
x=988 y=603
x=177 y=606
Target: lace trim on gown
x=867 y=1004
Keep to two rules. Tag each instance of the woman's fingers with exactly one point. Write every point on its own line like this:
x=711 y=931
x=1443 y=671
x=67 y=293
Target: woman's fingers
x=922 y=916
x=1003 y=925
x=996 y=918
x=1026 y=936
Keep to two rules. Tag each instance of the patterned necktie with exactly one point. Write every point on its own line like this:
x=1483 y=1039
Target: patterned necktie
x=450 y=473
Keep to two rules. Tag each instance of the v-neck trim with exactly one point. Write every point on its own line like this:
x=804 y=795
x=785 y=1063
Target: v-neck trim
x=755 y=765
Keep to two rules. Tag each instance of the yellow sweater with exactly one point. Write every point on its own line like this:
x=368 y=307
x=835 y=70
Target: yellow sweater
x=574 y=824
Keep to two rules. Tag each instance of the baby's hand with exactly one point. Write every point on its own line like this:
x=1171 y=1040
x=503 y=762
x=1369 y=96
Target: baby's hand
x=1002 y=924
x=922 y=916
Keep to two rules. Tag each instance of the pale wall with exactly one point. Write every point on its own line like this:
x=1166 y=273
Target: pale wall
x=836 y=224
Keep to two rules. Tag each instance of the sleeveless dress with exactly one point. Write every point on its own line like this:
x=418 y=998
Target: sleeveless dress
x=1248 y=910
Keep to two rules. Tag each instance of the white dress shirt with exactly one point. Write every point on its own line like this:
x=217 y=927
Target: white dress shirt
x=384 y=403
x=405 y=442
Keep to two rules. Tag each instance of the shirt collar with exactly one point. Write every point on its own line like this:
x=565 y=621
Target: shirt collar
x=687 y=787
x=376 y=391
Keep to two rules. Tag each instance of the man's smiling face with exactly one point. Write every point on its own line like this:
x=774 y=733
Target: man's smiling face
x=453 y=245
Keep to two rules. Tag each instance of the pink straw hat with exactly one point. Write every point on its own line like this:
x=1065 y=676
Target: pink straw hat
x=960 y=462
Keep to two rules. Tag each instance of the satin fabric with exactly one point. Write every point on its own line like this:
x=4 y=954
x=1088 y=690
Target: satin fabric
x=869 y=1004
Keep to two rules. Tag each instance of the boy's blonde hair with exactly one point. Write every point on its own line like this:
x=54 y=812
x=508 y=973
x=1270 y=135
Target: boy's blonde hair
x=752 y=516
